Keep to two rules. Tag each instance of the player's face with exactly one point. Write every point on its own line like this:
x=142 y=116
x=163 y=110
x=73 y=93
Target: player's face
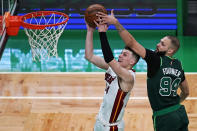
x=163 y=45
x=125 y=58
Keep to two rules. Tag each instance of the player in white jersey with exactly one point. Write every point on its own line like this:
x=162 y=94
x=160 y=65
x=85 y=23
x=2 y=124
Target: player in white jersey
x=119 y=79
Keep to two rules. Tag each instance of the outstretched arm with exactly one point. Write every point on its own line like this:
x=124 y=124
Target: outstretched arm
x=89 y=55
x=128 y=39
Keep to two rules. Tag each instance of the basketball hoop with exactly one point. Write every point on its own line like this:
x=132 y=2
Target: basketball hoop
x=43 y=29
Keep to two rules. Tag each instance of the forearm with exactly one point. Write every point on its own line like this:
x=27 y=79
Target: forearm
x=89 y=45
x=184 y=90
x=183 y=96
x=109 y=58
x=128 y=39
x=107 y=52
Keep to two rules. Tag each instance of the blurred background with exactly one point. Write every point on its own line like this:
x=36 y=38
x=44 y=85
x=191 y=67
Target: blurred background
x=147 y=20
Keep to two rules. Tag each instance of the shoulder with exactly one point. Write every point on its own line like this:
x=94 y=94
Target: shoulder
x=179 y=63
x=127 y=85
x=175 y=60
x=150 y=54
x=148 y=51
x=132 y=73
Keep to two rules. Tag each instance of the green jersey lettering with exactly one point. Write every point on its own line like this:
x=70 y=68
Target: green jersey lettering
x=167 y=87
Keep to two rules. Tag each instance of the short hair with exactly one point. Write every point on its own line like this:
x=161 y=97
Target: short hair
x=136 y=56
x=175 y=42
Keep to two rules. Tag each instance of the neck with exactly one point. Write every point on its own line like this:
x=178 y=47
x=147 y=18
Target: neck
x=169 y=55
x=130 y=67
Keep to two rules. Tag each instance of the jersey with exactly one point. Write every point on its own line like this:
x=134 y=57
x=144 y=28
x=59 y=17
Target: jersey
x=162 y=85
x=114 y=100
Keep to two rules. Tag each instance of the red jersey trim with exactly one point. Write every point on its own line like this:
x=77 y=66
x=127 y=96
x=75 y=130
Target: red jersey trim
x=118 y=104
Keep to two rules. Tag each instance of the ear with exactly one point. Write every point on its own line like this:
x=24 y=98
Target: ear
x=171 y=51
x=132 y=62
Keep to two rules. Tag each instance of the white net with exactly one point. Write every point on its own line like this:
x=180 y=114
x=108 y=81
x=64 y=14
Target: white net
x=44 y=42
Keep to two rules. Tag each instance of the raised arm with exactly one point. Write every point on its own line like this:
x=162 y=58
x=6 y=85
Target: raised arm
x=89 y=55
x=123 y=74
x=128 y=39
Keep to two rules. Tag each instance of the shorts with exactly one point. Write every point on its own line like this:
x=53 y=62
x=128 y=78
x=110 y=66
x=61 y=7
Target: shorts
x=173 y=121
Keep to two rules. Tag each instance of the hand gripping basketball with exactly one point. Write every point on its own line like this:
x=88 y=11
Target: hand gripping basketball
x=90 y=14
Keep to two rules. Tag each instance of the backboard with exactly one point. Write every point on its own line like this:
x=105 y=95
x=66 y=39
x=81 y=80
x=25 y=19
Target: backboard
x=6 y=5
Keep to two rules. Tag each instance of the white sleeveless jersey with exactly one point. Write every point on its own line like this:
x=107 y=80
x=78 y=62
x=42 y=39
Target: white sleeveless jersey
x=114 y=100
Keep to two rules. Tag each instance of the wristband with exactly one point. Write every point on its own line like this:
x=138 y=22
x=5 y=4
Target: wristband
x=107 y=52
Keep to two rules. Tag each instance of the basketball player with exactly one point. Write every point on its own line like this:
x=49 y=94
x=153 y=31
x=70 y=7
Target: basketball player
x=119 y=79
x=164 y=76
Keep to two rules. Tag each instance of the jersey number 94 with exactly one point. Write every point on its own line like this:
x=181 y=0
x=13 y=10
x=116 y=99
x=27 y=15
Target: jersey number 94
x=169 y=87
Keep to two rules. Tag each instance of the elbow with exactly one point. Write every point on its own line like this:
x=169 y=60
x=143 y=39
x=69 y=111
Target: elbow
x=187 y=93
x=87 y=57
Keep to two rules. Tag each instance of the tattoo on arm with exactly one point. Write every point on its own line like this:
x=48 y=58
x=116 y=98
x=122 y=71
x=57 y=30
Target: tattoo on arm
x=119 y=27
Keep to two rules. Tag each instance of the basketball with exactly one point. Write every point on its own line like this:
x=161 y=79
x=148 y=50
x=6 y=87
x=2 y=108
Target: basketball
x=90 y=13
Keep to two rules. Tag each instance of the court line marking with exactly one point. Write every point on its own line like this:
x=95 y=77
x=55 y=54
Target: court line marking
x=73 y=98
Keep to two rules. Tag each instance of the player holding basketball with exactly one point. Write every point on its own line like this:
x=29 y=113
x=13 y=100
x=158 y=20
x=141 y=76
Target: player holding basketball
x=165 y=74
x=119 y=79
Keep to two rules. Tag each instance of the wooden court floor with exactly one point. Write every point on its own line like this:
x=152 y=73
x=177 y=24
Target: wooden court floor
x=70 y=102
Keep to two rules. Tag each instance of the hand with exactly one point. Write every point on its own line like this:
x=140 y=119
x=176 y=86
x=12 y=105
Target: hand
x=101 y=27
x=107 y=19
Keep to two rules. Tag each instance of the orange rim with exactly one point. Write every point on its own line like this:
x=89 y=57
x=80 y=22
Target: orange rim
x=40 y=13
